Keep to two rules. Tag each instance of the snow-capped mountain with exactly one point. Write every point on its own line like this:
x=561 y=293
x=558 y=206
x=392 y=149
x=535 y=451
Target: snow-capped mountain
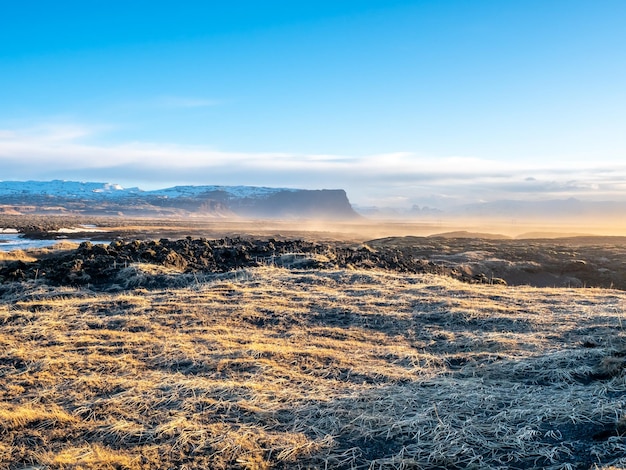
x=232 y=191
x=59 y=188
x=224 y=201
x=92 y=190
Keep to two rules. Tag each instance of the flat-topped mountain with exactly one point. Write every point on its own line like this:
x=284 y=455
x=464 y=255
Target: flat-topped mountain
x=93 y=198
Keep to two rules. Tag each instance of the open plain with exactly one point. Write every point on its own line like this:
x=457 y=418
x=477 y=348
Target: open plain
x=267 y=350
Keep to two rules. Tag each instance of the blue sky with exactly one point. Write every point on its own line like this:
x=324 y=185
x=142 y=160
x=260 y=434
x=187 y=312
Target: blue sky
x=398 y=102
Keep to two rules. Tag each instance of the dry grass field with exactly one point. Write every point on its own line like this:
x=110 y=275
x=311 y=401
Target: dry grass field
x=275 y=368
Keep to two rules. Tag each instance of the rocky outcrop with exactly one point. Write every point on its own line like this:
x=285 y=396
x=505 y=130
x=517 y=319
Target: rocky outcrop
x=576 y=262
x=316 y=204
x=99 y=265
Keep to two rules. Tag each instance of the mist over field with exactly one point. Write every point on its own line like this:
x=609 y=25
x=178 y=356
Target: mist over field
x=170 y=332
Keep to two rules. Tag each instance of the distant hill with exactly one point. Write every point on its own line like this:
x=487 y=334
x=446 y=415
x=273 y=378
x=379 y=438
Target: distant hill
x=72 y=197
x=473 y=235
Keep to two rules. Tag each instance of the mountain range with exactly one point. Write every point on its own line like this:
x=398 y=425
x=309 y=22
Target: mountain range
x=96 y=198
x=93 y=198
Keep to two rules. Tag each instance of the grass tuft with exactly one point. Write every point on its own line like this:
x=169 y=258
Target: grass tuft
x=91 y=456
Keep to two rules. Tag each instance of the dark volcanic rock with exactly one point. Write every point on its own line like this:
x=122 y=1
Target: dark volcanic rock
x=569 y=263
x=98 y=265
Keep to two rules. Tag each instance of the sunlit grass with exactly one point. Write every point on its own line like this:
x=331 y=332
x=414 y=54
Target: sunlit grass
x=272 y=368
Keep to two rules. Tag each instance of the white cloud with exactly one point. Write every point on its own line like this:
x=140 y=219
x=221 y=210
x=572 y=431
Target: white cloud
x=64 y=151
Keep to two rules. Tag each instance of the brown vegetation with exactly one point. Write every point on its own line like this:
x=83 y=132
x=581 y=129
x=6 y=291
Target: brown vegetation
x=274 y=368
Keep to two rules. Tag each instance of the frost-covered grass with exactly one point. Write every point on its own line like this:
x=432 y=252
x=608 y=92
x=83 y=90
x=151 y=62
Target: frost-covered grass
x=277 y=368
